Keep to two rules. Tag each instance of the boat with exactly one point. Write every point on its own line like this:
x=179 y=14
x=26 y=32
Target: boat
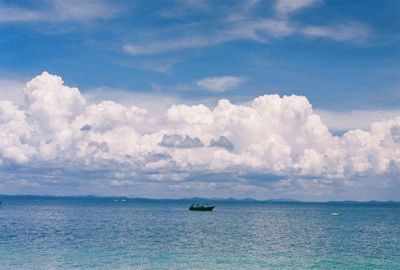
x=200 y=207
x=336 y=214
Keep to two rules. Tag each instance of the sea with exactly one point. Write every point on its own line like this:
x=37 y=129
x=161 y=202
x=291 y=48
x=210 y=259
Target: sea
x=109 y=233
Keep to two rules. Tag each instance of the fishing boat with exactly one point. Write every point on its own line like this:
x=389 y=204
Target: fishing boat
x=200 y=207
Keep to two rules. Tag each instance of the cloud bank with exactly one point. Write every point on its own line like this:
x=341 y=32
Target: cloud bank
x=273 y=137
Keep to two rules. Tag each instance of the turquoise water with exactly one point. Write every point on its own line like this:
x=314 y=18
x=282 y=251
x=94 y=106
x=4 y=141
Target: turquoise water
x=103 y=234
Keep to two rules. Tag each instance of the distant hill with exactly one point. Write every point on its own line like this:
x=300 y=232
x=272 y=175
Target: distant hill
x=189 y=200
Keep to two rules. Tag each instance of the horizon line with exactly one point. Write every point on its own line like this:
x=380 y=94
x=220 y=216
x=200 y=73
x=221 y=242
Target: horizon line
x=247 y=199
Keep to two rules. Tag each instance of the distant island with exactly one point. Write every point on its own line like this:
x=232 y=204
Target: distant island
x=192 y=199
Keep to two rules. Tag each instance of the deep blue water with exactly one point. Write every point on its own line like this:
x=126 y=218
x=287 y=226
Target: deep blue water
x=102 y=234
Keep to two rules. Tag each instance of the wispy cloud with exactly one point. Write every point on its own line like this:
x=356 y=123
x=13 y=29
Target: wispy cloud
x=163 y=65
x=160 y=67
x=261 y=30
x=241 y=23
x=14 y=14
x=257 y=30
x=352 y=31
x=58 y=10
x=171 y=45
x=84 y=10
x=284 y=7
x=220 y=84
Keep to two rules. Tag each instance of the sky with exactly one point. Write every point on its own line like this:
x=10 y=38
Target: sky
x=169 y=99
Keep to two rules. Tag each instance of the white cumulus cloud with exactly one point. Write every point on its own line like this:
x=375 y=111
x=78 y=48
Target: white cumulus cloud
x=273 y=135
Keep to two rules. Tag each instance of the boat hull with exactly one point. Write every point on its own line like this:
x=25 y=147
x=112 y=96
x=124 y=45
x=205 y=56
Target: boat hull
x=205 y=208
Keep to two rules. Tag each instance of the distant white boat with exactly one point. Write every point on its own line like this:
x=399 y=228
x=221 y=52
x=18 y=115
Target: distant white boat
x=336 y=214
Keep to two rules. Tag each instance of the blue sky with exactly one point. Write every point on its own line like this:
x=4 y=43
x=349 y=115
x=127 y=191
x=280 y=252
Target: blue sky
x=343 y=56
x=189 y=40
